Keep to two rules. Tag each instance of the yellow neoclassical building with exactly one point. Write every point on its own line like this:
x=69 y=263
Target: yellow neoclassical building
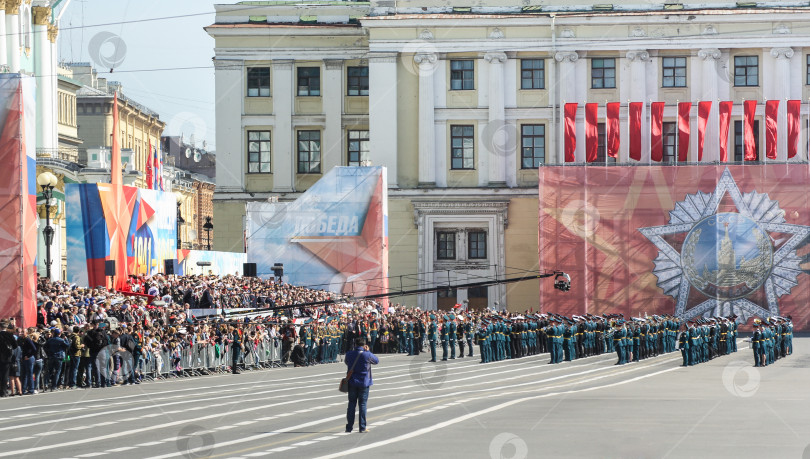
x=462 y=102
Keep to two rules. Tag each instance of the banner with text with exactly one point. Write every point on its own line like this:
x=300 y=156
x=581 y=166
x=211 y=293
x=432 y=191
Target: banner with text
x=151 y=233
x=334 y=237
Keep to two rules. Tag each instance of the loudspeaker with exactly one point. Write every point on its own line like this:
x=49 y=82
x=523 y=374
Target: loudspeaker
x=249 y=269
x=109 y=268
x=169 y=265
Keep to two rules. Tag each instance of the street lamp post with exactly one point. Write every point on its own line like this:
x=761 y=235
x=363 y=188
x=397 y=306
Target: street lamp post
x=208 y=226
x=47 y=181
x=180 y=220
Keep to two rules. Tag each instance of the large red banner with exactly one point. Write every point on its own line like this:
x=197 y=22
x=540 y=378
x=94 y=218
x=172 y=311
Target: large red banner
x=693 y=241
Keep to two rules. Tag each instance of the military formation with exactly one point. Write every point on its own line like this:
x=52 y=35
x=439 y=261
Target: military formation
x=500 y=336
x=771 y=340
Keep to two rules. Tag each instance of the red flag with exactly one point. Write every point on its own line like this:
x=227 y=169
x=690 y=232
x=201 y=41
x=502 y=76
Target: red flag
x=725 y=120
x=149 y=178
x=704 y=108
x=683 y=129
x=591 y=133
x=656 y=130
x=612 y=129
x=793 y=115
x=749 y=111
x=570 y=132
x=771 y=115
x=115 y=163
x=634 y=116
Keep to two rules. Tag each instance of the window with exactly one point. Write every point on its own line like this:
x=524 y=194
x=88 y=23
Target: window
x=670 y=142
x=309 y=152
x=739 y=150
x=258 y=82
x=358 y=147
x=446 y=246
x=603 y=73
x=461 y=147
x=601 y=145
x=309 y=81
x=533 y=145
x=673 y=70
x=746 y=71
x=462 y=75
x=258 y=151
x=476 y=245
x=358 y=81
x=532 y=74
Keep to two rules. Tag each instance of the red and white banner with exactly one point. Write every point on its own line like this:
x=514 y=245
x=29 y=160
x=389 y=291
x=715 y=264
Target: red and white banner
x=570 y=132
x=612 y=133
x=704 y=109
x=656 y=131
x=725 y=122
x=683 y=130
x=634 y=115
x=591 y=133
x=771 y=114
x=749 y=140
x=793 y=116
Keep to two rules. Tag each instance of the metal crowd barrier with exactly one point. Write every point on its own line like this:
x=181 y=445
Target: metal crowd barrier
x=206 y=358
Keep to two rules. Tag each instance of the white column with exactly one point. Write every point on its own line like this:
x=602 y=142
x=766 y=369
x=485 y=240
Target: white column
x=426 y=63
x=638 y=93
x=781 y=91
x=567 y=72
x=53 y=33
x=13 y=34
x=382 y=116
x=711 y=146
x=498 y=141
x=231 y=150
x=333 y=108
x=3 y=43
x=42 y=52
x=284 y=151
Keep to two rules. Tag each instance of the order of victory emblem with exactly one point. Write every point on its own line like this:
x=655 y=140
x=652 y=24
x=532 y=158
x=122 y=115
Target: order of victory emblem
x=727 y=252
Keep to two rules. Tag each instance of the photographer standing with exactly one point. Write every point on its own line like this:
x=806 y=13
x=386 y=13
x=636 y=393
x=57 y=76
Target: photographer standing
x=359 y=362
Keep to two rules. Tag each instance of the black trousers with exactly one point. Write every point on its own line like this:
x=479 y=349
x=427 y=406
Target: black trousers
x=4 y=367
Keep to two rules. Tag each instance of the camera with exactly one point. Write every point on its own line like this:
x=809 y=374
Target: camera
x=562 y=282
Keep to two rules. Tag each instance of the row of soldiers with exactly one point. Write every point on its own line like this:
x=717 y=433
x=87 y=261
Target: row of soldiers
x=771 y=340
x=703 y=339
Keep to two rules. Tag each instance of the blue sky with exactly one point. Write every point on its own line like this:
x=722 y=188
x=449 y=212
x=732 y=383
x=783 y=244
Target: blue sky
x=183 y=98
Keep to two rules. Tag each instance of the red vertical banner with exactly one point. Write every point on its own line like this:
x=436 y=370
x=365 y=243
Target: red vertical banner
x=656 y=131
x=684 y=130
x=591 y=133
x=749 y=141
x=793 y=116
x=771 y=116
x=725 y=121
x=704 y=108
x=570 y=132
x=634 y=116
x=612 y=129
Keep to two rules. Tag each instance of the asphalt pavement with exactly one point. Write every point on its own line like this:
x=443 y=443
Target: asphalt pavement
x=460 y=408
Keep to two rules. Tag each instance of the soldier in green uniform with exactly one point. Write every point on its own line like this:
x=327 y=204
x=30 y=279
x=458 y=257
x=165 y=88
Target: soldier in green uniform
x=451 y=335
x=481 y=339
x=416 y=340
x=443 y=336
x=432 y=337
x=468 y=335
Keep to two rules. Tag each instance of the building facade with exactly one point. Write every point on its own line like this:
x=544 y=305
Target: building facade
x=464 y=102
x=140 y=127
x=188 y=156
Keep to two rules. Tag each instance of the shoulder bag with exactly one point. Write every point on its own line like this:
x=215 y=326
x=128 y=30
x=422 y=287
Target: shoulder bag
x=344 y=383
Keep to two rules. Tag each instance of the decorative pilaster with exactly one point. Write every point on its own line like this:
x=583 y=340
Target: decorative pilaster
x=42 y=15
x=497 y=142
x=781 y=91
x=426 y=64
x=332 y=108
x=382 y=116
x=53 y=33
x=567 y=77
x=284 y=151
x=638 y=91
x=712 y=65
